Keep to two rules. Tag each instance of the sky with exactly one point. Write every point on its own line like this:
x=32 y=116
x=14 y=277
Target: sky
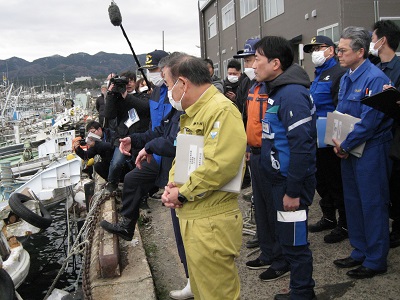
x=32 y=29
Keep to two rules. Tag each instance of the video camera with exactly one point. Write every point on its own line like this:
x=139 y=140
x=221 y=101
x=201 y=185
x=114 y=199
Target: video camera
x=82 y=132
x=119 y=84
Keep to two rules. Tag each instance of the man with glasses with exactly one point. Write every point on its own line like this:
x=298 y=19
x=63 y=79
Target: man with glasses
x=365 y=178
x=324 y=91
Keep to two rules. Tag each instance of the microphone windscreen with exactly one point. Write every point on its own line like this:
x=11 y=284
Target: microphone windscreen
x=115 y=14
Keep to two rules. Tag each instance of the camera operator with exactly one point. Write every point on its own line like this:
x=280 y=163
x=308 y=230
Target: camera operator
x=126 y=114
x=104 y=148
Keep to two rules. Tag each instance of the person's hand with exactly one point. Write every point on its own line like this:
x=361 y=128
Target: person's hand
x=143 y=155
x=338 y=150
x=170 y=196
x=247 y=156
x=387 y=86
x=125 y=146
x=76 y=143
x=110 y=88
x=290 y=204
x=230 y=95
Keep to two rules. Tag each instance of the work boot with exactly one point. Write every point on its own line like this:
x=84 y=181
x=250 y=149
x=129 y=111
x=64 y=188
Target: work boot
x=395 y=238
x=144 y=205
x=110 y=188
x=336 y=235
x=287 y=296
x=185 y=293
x=323 y=224
x=125 y=229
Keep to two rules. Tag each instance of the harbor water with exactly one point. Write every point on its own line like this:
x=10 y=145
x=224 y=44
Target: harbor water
x=48 y=250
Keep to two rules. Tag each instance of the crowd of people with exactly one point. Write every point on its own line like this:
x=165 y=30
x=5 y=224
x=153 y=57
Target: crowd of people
x=270 y=112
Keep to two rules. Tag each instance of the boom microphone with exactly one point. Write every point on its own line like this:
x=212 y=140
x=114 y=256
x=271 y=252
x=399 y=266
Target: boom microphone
x=115 y=14
x=116 y=20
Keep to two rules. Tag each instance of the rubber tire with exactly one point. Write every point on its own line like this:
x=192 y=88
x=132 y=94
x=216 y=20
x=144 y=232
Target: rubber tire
x=16 y=203
x=7 y=290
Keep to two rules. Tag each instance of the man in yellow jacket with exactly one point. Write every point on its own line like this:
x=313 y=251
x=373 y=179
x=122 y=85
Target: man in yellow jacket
x=210 y=219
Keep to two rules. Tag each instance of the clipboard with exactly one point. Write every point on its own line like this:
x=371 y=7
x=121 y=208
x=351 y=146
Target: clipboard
x=385 y=102
x=189 y=156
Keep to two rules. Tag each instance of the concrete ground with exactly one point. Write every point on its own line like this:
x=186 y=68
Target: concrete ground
x=331 y=282
x=155 y=247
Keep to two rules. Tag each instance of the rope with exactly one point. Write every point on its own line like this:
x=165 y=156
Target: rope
x=80 y=248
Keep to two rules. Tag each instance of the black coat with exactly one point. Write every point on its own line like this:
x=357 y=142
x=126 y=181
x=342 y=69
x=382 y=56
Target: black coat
x=161 y=141
x=117 y=110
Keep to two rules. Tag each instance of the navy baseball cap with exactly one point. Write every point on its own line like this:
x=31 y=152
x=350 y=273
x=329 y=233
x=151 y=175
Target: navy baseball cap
x=153 y=59
x=318 y=40
x=248 y=49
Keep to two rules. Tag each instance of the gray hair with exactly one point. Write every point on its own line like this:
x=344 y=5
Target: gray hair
x=193 y=68
x=360 y=38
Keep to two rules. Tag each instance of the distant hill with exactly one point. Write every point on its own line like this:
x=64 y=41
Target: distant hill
x=55 y=68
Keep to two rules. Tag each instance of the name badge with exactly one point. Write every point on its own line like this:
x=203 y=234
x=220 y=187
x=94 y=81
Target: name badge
x=133 y=117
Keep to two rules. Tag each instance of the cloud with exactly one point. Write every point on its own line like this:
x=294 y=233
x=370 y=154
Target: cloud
x=40 y=28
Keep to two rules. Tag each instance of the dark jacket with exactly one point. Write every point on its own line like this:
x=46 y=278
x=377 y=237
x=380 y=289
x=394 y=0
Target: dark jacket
x=101 y=107
x=289 y=133
x=117 y=110
x=325 y=87
x=241 y=95
x=104 y=148
x=161 y=141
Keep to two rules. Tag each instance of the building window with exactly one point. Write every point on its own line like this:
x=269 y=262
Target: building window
x=331 y=31
x=212 y=27
x=247 y=6
x=228 y=15
x=273 y=8
x=396 y=20
x=216 y=69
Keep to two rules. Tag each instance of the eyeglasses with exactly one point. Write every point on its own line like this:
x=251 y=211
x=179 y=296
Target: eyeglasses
x=341 y=51
x=317 y=48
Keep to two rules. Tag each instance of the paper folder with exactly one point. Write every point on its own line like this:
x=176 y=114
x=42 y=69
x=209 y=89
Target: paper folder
x=189 y=156
x=338 y=126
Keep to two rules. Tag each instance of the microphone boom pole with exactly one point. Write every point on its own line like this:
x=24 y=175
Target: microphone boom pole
x=116 y=20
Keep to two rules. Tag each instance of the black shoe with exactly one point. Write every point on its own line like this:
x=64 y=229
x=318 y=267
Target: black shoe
x=257 y=264
x=337 y=235
x=363 y=272
x=111 y=187
x=394 y=239
x=287 y=296
x=271 y=274
x=144 y=205
x=323 y=224
x=124 y=229
x=347 y=262
x=253 y=243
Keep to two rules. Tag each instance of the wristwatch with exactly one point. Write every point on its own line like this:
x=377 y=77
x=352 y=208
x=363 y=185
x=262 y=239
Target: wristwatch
x=342 y=151
x=182 y=198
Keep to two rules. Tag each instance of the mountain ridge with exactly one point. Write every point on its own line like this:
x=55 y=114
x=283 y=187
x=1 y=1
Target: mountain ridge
x=57 y=68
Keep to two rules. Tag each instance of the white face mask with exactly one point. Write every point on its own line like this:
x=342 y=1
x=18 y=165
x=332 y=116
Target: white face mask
x=372 y=50
x=143 y=89
x=318 y=57
x=155 y=78
x=250 y=73
x=233 y=78
x=175 y=104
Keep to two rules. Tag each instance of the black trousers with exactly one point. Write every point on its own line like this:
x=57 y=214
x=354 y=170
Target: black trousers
x=137 y=184
x=394 y=187
x=329 y=185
